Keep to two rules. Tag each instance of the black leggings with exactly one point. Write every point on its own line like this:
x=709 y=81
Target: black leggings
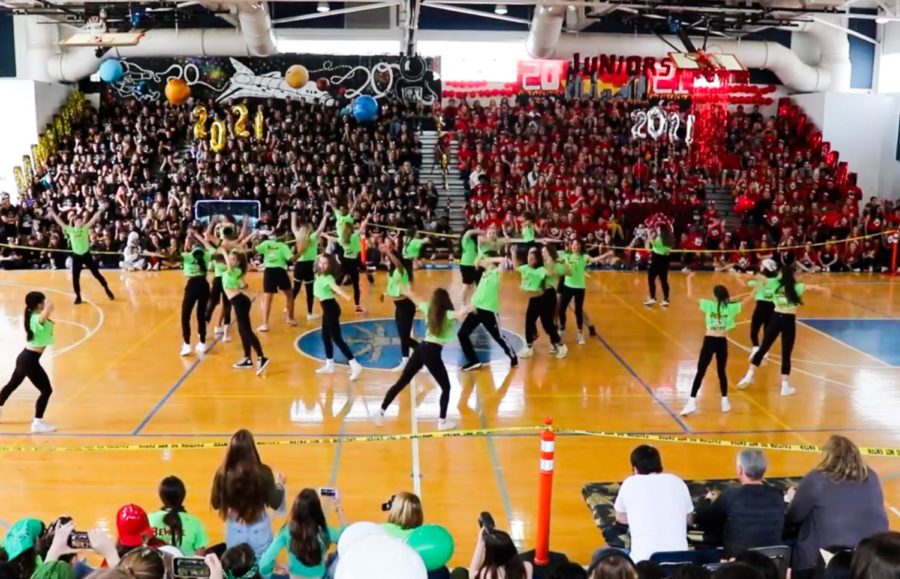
x=303 y=275
x=659 y=268
x=543 y=307
x=350 y=267
x=426 y=354
x=712 y=345
x=762 y=314
x=786 y=325
x=566 y=294
x=80 y=262
x=241 y=304
x=331 y=330
x=28 y=365
x=196 y=295
x=404 y=315
x=216 y=295
x=491 y=322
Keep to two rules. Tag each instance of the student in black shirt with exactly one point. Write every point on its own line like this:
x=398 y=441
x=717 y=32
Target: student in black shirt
x=747 y=516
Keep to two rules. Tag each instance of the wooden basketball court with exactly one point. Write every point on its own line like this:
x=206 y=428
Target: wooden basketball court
x=118 y=380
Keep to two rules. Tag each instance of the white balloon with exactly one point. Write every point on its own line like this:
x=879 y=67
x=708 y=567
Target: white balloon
x=689 y=130
x=355 y=533
x=656 y=122
x=380 y=557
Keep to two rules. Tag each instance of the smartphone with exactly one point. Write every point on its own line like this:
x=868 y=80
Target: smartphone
x=189 y=567
x=386 y=506
x=486 y=521
x=328 y=492
x=79 y=540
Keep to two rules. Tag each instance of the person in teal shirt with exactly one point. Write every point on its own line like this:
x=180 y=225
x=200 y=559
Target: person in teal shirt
x=79 y=236
x=660 y=243
x=306 y=537
x=307 y=247
x=195 y=264
x=765 y=285
x=720 y=313
x=485 y=306
x=534 y=281
x=39 y=335
x=398 y=289
x=276 y=255
x=440 y=318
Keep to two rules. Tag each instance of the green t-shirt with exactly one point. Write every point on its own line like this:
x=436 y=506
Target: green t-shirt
x=322 y=287
x=765 y=292
x=275 y=253
x=353 y=246
x=396 y=531
x=43 y=332
x=528 y=233
x=487 y=293
x=193 y=535
x=532 y=277
x=577 y=262
x=720 y=318
x=781 y=301
x=342 y=219
x=79 y=239
x=657 y=246
x=397 y=282
x=232 y=279
x=312 y=248
x=557 y=271
x=412 y=248
x=448 y=332
x=191 y=267
x=469 y=251
x=218 y=267
x=282 y=541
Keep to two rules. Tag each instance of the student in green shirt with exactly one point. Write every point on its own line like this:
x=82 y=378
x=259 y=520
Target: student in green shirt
x=398 y=289
x=39 y=335
x=468 y=247
x=325 y=287
x=195 y=264
x=412 y=250
x=350 y=243
x=765 y=284
x=307 y=247
x=660 y=243
x=441 y=321
x=276 y=255
x=788 y=297
x=233 y=284
x=173 y=524
x=223 y=232
x=720 y=314
x=485 y=304
x=79 y=236
x=534 y=281
x=574 y=288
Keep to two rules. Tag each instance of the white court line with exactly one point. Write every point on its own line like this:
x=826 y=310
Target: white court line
x=416 y=465
x=90 y=333
x=894 y=510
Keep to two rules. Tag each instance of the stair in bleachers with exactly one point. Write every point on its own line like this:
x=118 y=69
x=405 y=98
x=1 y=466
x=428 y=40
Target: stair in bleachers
x=454 y=196
x=725 y=204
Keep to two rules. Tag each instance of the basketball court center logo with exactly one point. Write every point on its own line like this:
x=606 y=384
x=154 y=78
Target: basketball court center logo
x=376 y=344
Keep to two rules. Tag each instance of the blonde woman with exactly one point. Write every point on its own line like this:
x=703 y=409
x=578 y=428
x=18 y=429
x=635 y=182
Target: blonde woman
x=404 y=516
x=838 y=503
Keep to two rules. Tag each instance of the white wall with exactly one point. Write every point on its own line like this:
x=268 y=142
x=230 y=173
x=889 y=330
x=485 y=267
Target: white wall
x=813 y=105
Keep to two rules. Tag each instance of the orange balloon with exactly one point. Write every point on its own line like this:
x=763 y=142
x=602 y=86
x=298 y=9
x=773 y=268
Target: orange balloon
x=177 y=91
x=296 y=76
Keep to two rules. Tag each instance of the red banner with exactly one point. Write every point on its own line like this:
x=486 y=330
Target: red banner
x=547 y=76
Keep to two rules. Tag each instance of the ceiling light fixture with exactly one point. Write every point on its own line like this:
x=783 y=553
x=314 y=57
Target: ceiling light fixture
x=882 y=20
x=500 y=9
x=323 y=7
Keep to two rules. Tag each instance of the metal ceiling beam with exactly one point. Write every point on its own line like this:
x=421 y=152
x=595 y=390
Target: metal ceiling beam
x=339 y=11
x=472 y=12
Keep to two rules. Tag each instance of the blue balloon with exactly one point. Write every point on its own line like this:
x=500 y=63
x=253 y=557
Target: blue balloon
x=142 y=88
x=365 y=109
x=111 y=70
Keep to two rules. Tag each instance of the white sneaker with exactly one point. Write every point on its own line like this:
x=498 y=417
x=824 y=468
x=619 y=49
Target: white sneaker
x=525 y=352
x=649 y=301
x=38 y=426
x=399 y=367
x=562 y=351
x=664 y=303
x=328 y=368
x=690 y=407
x=787 y=390
x=185 y=350
x=553 y=349
x=446 y=424
x=580 y=339
x=725 y=405
x=753 y=352
x=745 y=381
x=200 y=348
x=378 y=417
x=263 y=328
x=226 y=337
x=291 y=321
x=355 y=370
x=312 y=317
x=218 y=330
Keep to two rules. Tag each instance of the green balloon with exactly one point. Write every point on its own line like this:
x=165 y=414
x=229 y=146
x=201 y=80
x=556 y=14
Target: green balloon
x=433 y=543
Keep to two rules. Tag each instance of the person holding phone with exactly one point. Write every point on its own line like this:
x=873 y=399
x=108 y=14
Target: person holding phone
x=306 y=536
x=496 y=555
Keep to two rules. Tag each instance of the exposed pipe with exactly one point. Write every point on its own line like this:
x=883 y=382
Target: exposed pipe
x=834 y=50
x=546 y=28
x=43 y=45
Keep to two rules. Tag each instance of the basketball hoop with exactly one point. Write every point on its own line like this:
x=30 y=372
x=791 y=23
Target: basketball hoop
x=95 y=32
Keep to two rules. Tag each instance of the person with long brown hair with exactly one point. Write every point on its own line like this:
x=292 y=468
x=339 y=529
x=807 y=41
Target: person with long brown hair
x=234 y=285
x=325 y=287
x=496 y=557
x=838 y=503
x=398 y=288
x=306 y=536
x=441 y=321
x=242 y=489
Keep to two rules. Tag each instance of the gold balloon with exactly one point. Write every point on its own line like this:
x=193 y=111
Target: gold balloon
x=296 y=76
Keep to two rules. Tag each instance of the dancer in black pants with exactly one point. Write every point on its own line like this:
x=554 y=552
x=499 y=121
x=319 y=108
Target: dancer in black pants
x=217 y=295
x=541 y=304
x=233 y=283
x=223 y=234
x=398 y=289
x=788 y=297
x=79 y=235
x=196 y=291
x=660 y=249
x=350 y=243
x=307 y=247
x=486 y=303
x=440 y=321
x=325 y=288
x=39 y=333
x=766 y=284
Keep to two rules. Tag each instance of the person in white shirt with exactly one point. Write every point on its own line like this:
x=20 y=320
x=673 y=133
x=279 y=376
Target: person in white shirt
x=655 y=505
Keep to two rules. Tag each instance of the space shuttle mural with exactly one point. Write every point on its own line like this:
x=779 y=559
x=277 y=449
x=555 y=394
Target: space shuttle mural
x=245 y=83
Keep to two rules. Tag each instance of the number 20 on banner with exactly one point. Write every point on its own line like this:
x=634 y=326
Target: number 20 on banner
x=541 y=75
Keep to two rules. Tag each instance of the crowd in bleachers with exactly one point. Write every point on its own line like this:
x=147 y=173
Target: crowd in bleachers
x=833 y=524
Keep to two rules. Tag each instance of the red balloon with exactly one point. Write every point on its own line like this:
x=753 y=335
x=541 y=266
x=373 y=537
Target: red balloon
x=323 y=84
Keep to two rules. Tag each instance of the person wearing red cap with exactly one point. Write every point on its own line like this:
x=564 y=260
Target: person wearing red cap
x=134 y=530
